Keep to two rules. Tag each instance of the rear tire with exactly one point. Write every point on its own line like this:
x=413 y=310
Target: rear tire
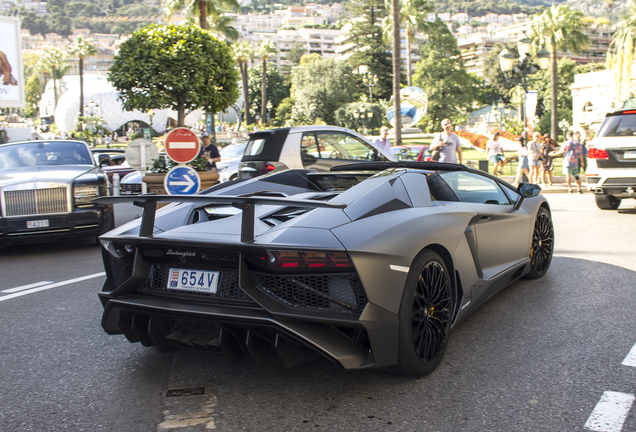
x=425 y=316
x=607 y=202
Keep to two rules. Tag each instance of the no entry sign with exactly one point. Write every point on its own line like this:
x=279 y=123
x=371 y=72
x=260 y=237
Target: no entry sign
x=182 y=145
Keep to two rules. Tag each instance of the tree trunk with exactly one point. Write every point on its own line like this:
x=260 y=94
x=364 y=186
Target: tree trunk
x=408 y=57
x=180 y=112
x=203 y=15
x=246 y=91
x=81 y=77
x=395 y=7
x=555 y=114
x=264 y=93
x=54 y=87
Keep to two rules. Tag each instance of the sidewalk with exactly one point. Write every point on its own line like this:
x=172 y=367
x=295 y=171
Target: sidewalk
x=558 y=185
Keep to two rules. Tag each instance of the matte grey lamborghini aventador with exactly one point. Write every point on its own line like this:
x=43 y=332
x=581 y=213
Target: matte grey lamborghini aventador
x=371 y=265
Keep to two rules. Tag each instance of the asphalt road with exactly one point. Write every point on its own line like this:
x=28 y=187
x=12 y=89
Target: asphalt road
x=541 y=355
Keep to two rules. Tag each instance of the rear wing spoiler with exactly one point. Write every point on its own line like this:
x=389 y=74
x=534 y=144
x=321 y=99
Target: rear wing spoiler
x=245 y=203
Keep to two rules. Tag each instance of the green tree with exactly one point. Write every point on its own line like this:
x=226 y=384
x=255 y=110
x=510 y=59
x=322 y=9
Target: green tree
x=371 y=50
x=32 y=94
x=335 y=87
x=441 y=74
x=244 y=54
x=621 y=53
x=277 y=89
x=559 y=29
x=264 y=52
x=292 y=59
x=174 y=67
x=83 y=48
x=413 y=19
x=201 y=8
x=566 y=69
x=54 y=60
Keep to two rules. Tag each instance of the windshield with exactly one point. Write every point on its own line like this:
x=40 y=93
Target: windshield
x=618 y=126
x=44 y=153
x=232 y=151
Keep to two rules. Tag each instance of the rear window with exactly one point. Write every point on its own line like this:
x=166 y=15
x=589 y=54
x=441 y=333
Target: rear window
x=265 y=146
x=618 y=125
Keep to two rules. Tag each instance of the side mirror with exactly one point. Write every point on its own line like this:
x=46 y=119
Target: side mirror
x=527 y=190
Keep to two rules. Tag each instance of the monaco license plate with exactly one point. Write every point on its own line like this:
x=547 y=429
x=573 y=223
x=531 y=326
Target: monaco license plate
x=630 y=154
x=193 y=280
x=43 y=223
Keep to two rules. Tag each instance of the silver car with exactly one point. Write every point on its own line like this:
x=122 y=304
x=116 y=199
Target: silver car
x=311 y=147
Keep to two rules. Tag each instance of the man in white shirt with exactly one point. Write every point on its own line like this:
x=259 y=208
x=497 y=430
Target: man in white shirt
x=383 y=142
x=448 y=144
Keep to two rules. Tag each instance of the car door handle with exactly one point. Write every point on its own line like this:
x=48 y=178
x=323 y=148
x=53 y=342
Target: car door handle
x=485 y=218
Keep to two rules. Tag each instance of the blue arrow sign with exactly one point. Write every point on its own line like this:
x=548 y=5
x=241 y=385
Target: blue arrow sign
x=182 y=180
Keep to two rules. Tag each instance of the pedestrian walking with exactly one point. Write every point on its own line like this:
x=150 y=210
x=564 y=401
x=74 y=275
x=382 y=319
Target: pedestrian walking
x=447 y=144
x=496 y=154
x=522 y=155
x=548 y=148
x=572 y=158
x=534 y=157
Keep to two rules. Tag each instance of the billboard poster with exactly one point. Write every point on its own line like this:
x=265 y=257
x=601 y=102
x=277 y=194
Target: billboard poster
x=11 y=76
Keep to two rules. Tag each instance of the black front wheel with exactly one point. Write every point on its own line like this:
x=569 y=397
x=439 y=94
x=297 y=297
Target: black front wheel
x=542 y=245
x=425 y=316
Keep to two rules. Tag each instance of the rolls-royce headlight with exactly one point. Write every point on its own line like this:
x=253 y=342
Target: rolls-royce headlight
x=84 y=194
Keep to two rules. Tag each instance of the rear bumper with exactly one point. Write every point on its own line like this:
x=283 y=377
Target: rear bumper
x=246 y=331
x=85 y=222
x=156 y=317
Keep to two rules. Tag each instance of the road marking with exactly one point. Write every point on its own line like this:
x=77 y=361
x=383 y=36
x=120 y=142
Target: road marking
x=610 y=412
x=23 y=287
x=630 y=360
x=53 y=285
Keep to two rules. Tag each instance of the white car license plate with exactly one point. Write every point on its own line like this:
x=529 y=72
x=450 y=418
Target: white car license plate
x=44 y=223
x=193 y=280
x=630 y=154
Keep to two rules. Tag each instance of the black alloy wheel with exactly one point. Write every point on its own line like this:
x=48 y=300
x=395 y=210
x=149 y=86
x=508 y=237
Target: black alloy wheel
x=425 y=316
x=542 y=245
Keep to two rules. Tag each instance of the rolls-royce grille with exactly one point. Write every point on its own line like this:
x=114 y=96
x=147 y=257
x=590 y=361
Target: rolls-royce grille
x=35 y=202
x=338 y=292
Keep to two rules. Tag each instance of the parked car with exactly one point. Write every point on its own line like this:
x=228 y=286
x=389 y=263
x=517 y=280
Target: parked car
x=371 y=265
x=311 y=147
x=230 y=159
x=416 y=153
x=611 y=169
x=112 y=161
x=47 y=190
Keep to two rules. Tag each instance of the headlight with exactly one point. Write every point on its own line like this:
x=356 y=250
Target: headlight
x=84 y=194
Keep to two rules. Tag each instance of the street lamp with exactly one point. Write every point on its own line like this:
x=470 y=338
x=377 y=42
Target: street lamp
x=525 y=66
x=564 y=125
x=364 y=116
x=370 y=80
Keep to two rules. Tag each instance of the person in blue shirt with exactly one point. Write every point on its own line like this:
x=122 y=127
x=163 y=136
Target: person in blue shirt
x=572 y=152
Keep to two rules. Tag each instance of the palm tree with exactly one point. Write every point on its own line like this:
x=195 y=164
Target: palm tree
x=55 y=61
x=621 y=53
x=201 y=8
x=264 y=52
x=397 y=63
x=244 y=54
x=558 y=28
x=413 y=18
x=83 y=48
